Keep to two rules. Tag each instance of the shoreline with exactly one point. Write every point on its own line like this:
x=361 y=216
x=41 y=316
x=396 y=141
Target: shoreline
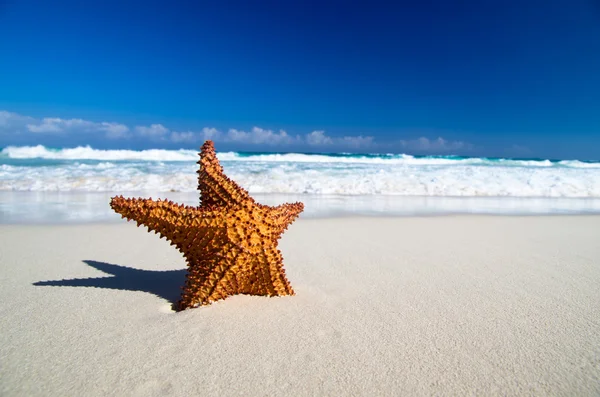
x=342 y=217
x=475 y=304
x=81 y=208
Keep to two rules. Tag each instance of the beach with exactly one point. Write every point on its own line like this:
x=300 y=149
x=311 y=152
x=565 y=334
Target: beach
x=432 y=305
x=415 y=184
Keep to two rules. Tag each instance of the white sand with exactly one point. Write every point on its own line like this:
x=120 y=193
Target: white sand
x=404 y=306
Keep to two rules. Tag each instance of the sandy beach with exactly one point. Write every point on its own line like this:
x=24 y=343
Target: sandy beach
x=450 y=305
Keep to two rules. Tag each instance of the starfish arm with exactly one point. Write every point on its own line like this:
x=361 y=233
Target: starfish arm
x=216 y=189
x=195 y=288
x=234 y=270
x=285 y=214
x=273 y=266
x=262 y=273
x=166 y=218
x=210 y=277
x=149 y=212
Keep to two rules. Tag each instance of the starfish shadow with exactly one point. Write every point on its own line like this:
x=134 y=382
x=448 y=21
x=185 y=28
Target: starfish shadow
x=164 y=284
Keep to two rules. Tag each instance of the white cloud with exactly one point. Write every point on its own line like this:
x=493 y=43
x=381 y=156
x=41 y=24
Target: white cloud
x=155 y=131
x=5 y=117
x=48 y=125
x=206 y=133
x=358 y=141
x=210 y=133
x=55 y=125
x=434 y=145
x=114 y=130
x=11 y=123
x=318 y=138
x=10 y=119
x=188 y=136
x=259 y=136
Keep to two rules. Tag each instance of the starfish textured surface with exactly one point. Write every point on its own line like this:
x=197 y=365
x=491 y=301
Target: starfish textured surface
x=229 y=240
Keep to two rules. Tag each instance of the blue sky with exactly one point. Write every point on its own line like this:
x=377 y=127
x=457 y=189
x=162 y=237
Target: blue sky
x=510 y=78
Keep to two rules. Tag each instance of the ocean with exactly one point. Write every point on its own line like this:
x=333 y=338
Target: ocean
x=40 y=184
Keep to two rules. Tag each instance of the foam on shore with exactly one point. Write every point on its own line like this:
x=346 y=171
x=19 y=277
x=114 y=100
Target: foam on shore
x=85 y=169
x=84 y=207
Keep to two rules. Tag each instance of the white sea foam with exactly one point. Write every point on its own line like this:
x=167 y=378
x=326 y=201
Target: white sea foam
x=578 y=164
x=85 y=169
x=88 y=153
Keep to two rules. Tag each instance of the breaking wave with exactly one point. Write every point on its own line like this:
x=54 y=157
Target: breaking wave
x=37 y=168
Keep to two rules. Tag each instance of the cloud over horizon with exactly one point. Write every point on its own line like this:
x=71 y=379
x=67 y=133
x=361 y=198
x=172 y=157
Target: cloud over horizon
x=435 y=145
x=78 y=131
x=55 y=125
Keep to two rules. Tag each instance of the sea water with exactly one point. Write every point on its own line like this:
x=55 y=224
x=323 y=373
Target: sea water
x=39 y=184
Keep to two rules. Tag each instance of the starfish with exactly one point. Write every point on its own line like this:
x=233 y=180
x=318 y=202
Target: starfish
x=229 y=240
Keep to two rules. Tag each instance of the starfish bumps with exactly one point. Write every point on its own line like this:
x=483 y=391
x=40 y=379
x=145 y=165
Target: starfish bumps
x=229 y=240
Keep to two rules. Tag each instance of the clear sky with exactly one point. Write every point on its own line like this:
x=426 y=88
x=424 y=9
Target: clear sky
x=497 y=78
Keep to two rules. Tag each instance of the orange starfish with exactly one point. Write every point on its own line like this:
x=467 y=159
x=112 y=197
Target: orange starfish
x=229 y=240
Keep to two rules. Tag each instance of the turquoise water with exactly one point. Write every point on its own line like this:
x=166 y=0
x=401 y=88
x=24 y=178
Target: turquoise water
x=87 y=169
x=54 y=182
